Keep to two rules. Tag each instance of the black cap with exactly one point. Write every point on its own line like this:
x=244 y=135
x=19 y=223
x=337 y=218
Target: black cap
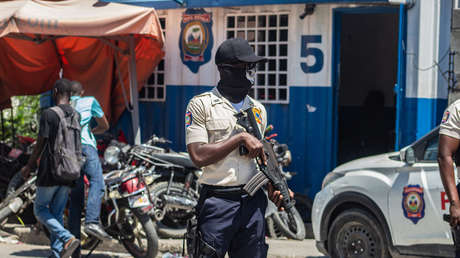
x=236 y=50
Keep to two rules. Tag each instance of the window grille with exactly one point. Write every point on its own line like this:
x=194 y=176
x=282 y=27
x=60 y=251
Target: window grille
x=155 y=87
x=268 y=36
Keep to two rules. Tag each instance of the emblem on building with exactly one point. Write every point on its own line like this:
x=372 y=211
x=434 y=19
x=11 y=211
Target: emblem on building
x=413 y=203
x=196 y=40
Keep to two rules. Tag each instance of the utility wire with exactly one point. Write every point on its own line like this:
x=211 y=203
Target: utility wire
x=434 y=62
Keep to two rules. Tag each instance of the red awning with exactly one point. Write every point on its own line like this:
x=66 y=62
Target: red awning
x=84 y=38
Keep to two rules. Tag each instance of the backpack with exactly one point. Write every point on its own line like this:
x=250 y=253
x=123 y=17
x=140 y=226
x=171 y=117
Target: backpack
x=66 y=154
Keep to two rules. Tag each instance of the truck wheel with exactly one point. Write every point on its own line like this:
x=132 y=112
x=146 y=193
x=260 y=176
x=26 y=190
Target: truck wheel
x=356 y=233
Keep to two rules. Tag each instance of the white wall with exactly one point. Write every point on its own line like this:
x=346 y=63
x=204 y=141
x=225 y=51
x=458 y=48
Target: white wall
x=428 y=37
x=320 y=23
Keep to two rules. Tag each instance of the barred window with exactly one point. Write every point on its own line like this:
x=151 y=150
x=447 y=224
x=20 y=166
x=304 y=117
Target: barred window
x=155 y=88
x=268 y=36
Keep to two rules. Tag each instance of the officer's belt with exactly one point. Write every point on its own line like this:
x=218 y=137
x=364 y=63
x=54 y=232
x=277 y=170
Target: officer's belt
x=226 y=192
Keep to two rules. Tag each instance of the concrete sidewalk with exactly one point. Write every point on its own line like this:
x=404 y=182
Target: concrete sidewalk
x=28 y=242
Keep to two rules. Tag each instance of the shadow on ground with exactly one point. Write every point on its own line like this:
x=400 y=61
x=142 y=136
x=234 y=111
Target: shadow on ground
x=31 y=253
x=45 y=253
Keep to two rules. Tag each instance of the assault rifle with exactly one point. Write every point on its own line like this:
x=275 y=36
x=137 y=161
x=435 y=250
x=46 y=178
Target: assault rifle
x=269 y=172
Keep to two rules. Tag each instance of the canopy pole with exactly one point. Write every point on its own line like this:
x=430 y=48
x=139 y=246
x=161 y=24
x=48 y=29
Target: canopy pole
x=13 y=130
x=3 y=126
x=134 y=94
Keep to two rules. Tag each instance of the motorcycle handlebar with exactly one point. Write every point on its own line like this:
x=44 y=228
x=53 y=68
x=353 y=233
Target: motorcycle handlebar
x=155 y=139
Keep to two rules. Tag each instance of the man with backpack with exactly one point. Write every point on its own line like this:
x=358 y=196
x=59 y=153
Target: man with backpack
x=59 y=149
x=88 y=108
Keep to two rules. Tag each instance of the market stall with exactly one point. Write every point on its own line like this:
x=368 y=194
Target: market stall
x=110 y=48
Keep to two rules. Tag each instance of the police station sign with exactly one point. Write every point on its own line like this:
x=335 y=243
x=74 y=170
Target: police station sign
x=196 y=39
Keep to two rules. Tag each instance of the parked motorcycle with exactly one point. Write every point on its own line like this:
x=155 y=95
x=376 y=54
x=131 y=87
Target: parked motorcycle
x=174 y=190
x=124 y=213
x=20 y=194
x=12 y=160
x=175 y=193
x=278 y=221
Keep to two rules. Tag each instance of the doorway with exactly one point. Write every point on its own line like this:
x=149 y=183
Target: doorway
x=366 y=54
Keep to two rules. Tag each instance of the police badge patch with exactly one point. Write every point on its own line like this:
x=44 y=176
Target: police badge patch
x=445 y=117
x=188 y=119
x=413 y=203
x=196 y=40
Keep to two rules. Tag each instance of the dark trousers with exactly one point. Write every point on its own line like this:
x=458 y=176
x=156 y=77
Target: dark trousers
x=93 y=171
x=456 y=238
x=233 y=224
x=456 y=235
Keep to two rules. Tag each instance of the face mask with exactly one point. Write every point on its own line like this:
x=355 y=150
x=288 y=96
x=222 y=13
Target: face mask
x=235 y=82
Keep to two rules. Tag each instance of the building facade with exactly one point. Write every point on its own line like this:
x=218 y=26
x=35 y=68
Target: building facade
x=345 y=79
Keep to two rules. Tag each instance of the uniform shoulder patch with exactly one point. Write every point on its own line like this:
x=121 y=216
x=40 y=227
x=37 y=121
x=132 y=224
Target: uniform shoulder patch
x=445 y=117
x=257 y=115
x=188 y=119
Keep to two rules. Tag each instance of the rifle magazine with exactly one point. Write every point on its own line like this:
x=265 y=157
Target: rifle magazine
x=256 y=182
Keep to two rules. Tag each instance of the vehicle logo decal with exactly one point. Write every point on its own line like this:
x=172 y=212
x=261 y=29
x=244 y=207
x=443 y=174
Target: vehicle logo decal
x=445 y=117
x=188 y=119
x=413 y=203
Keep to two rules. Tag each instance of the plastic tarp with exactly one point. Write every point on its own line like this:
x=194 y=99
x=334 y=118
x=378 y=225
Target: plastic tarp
x=84 y=38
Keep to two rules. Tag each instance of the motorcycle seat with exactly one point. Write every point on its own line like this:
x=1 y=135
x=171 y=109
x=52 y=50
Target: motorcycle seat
x=112 y=181
x=113 y=177
x=175 y=158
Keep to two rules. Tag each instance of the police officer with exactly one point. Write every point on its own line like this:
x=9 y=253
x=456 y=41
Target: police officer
x=228 y=219
x=449 y=139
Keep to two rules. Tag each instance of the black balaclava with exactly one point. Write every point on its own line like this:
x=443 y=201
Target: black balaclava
x=235 y=83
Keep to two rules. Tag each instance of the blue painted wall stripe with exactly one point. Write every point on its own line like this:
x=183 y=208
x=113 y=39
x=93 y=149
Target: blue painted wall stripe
x=419 y=116
x=308 y=134
x=400 y=88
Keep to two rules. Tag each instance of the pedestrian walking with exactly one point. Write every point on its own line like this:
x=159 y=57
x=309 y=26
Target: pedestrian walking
x=89 y=109
x=59 y=150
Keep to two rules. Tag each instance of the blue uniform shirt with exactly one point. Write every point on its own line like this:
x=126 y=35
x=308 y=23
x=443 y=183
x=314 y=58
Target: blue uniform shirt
x=88 y=107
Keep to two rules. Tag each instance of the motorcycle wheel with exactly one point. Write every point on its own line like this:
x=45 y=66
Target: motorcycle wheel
x=142 y=227
x=281 y=223
x=27 y=216
x=272 y=229
x=304 y=204
x=174 y=223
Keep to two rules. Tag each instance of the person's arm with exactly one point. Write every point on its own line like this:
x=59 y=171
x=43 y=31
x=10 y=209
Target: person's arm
x=42 y=138
x=32 y=162
x=204 y=154
x=447 y=148
x=102 y=125
x=99 y=116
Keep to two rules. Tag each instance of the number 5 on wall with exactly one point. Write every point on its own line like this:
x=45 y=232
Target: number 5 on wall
x=306 y=51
